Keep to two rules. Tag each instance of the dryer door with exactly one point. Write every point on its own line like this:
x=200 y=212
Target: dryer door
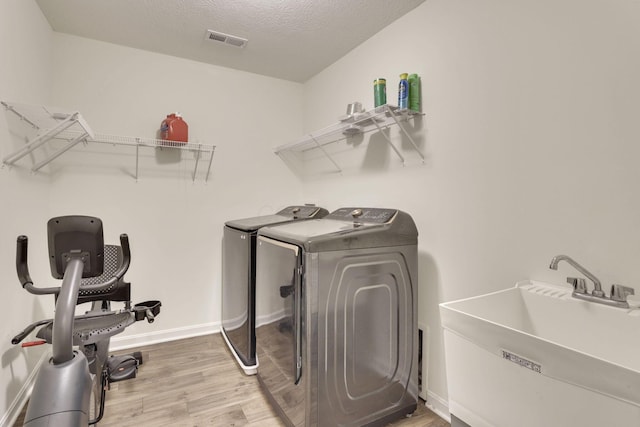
x=238 y=287
x=279 y=324
x=366 y=328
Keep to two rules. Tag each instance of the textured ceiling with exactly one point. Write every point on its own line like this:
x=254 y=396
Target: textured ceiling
x=288 y=39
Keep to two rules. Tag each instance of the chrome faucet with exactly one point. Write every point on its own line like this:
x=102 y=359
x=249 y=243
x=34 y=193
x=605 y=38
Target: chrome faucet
x=619 y=293
x=597 y=286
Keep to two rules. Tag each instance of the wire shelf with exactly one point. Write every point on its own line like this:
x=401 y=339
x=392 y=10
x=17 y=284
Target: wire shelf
x=71 y=128
x=380 y=119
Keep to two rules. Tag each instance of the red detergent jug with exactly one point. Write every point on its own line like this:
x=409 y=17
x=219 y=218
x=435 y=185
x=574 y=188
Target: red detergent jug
x=173 y=128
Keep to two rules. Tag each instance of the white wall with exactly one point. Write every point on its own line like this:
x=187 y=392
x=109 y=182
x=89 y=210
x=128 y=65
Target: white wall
x=531 y=140
x=174 y=225
x=25 y=43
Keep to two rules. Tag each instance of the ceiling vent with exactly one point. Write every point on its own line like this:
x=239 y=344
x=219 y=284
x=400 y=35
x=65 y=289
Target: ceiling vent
x=219 y=37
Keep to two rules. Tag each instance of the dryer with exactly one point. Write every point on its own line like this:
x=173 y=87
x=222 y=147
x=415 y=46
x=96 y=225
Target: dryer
x=239 y=275
x=341 y=344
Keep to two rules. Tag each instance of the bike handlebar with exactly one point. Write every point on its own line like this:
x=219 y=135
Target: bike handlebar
x=23 y=269
x=26 y=282
x=21 y=260
x=22 y=335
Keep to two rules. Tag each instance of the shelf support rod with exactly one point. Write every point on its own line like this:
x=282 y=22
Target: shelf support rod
x=137 y=151
x=195 y=167
x=58 y=153
x=40 y=140
x=21 y=116
x=206 y=178
x=325 y=152
x=415 y=146
x=388 y=138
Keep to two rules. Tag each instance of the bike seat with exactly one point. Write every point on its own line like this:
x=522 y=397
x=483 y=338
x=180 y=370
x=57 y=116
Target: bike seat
x=90 y=330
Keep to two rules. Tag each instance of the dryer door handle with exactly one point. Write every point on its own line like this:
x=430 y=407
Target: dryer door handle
x=297 y=320
x=286 y=290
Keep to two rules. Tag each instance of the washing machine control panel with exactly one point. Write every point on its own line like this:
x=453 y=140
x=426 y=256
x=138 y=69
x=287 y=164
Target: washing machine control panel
x=299 y=211
x=371 y=215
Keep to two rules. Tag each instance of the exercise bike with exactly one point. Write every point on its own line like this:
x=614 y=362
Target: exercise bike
x=80 y=365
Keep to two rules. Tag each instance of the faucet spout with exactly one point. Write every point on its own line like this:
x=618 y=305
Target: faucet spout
x=597 y=286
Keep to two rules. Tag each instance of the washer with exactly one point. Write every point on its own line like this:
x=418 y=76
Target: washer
x=340 y=344
x=239 y=279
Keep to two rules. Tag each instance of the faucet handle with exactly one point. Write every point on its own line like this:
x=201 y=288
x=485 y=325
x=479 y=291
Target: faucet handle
x=620 y=293
x=579 y=284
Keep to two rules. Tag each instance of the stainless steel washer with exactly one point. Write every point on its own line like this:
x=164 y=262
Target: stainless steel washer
x=339 y=347
x=239 y=279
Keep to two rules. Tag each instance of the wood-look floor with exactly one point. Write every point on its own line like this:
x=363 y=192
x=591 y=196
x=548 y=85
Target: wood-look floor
x=196 y=382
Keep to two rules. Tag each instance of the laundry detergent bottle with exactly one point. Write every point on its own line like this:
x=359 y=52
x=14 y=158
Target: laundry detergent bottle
x=174 y=129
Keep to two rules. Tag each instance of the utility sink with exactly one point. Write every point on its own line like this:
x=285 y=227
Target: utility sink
x=532 y=355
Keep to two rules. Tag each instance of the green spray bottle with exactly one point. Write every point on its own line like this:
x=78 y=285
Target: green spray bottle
x=414 y=92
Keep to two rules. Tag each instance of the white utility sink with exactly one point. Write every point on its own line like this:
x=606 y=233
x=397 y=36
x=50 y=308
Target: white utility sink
x=532 y=356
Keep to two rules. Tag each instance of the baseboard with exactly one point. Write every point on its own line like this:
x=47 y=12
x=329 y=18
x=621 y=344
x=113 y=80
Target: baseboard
x=433 y=401
x=157 y=337
x=13 y=412
x=270 y=318
x=438 y=405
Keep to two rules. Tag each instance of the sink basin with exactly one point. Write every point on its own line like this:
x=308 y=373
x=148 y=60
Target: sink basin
x=532 y=355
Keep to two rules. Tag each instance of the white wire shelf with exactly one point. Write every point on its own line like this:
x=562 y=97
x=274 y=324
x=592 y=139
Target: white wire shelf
x=71 y=128
x=379 y=119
